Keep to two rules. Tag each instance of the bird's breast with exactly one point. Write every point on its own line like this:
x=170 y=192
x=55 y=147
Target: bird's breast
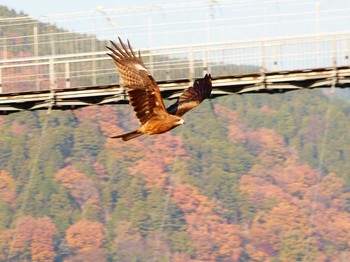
x=159 y=125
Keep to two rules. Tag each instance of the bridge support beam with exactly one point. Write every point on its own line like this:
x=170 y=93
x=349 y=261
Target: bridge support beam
x=67 y=74
x=271 y=83
x=52 y=74
x=0 y=80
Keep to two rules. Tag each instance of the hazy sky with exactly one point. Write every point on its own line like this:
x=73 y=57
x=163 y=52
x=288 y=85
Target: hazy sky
x=44 y=7
x=161 y=22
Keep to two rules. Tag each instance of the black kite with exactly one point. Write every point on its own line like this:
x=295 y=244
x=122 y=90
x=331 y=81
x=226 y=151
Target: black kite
x=145 y=96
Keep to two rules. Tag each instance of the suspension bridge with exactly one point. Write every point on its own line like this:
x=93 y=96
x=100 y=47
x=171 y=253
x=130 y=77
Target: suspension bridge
x=69 y=81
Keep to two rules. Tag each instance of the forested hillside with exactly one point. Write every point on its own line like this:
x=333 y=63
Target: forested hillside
x=248 y=178
x=235 y=183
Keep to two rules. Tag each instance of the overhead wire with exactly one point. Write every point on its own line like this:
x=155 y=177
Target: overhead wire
x=32 y=172
x=321 y=157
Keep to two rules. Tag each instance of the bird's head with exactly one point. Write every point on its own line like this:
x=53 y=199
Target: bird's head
x=180 y=122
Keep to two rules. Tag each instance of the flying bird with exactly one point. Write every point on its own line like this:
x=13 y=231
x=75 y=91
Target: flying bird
x=145 y=97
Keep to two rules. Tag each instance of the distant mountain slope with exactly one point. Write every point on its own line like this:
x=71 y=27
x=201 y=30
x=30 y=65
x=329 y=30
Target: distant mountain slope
x=249 y=168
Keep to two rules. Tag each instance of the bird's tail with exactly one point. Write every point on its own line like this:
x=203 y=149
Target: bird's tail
x=129 y=135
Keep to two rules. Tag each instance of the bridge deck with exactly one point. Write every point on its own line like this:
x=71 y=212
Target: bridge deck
x=270 y=82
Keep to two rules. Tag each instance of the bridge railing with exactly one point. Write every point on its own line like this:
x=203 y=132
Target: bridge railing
x=178 y=62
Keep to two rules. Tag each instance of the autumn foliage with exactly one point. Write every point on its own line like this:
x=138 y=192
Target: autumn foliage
x=7 y=187
x=31 y=239
x=154 y=198
x=85 y=235
x=212 y=236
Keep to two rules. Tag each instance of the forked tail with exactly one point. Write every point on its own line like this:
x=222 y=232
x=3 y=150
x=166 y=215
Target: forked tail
x=129 y=135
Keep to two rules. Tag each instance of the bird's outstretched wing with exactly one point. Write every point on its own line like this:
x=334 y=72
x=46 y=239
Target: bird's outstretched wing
x=192 y=97
x=143 y=90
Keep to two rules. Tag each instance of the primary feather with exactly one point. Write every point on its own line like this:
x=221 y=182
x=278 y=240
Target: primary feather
x=192 y=97
x=142 y=89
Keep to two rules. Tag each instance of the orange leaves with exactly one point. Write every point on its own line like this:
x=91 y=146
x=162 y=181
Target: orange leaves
x=109 y=129
x=33 y=236
x=153 y=173
x=22 y=235
x=189 y=199
x=269 y=147
x=262 y=193
x=236 y=135
x=180 y=257
x=69 y=177
x=18 y=129
x=286 y=217
x=80 y=187
x=97 y=113
x=265 y=144
x=334 y=224
x=333 y=187
x=275 y=227
x=231 y=116
x=160 y=155
x=107 y=119
x=267 y=110
x=237 y=131
x=85 y=235
x=86 y=238
x=296 y=178
x=206 y=228
x=43 y=240
x=6 y=181
x=166 y=148
x=7 y=187
x=100 y=170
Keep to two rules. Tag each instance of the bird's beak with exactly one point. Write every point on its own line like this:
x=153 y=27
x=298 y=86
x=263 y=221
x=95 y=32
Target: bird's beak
x=181 y=122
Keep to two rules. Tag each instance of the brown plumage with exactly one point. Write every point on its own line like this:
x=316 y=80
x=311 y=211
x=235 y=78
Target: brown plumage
x=146 y=98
